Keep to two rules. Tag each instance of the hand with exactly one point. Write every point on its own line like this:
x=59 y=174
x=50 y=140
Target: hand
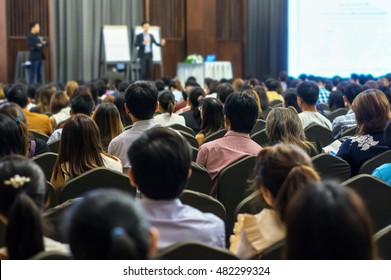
x=162 y=42
x=39 y=45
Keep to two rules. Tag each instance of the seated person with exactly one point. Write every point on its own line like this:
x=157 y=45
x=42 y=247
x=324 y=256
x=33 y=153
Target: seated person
x=326 y=221
x=241 y=114
x=193 y=116
x=384 y=172
x=273 y=90
x=212 y=118
x=160 y=163
x=281 y=172
x=307 y=96
x=372 y=112
x=166 y=108
x=107 y=225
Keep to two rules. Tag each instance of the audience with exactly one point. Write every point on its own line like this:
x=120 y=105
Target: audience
x=11 y=140
x=109 y=123
x=273 y=90
x=372 y=112
x=166 y=108
x=290 y=99
x=212 y=117
x=193 y=117
x=326 y=221
x=241 y=113
x=223 y=91
x=70 y=88
x=107 y=225
x=281 y=172
x=307 y=96
x=384 y=172
x=264 y=100
x=140 y=104
x=168 y=154
x=42 y=99
x=324 y=94
x=119 y=102
x=59 y=107
x=80 y=151
x=336 y=100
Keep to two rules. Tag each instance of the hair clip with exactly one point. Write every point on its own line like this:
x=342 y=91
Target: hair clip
x=17 y=120
x=117 y=231
x=17 y=181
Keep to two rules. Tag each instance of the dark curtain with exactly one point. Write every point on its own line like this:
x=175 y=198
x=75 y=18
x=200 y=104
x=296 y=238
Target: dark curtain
x=77 y=28
x=267 y=33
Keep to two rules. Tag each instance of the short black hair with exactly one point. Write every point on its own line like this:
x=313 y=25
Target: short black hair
x=169 y=155
x=351 y=91
x=123 y=86
x=272 y=84
x=166 y=80
x=141 y=99
x=18 y=94
x=159 y=84
x=194 y=94
x=242 y=111
x=308 y=92
x=32 y=24
x=223 y=91
x=82 y=104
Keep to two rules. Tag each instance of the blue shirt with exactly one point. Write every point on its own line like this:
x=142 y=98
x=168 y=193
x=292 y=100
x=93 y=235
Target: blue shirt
x=383 y=172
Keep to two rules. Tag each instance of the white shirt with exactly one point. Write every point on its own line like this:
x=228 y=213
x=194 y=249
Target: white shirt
x=63 y=115
x=147 y=48
x=165 y=119
x=308 y=118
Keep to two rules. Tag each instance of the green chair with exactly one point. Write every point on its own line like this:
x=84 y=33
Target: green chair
x=190 y=138
x=216 y=135
x=200 y=179
x=319 y=135
x=370 y=165
x=39 y=135
x=261 y=138
x=259 y=125
x=337 y=113
x=46 y=161
x=55 y=146
x=180 y=127
x=331 y=167
x=383 y=241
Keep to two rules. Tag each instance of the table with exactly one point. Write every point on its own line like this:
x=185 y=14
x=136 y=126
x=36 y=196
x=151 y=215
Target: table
x=214 y=70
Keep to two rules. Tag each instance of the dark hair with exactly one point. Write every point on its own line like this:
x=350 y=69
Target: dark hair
x=119 y=102
x=82 y=103
x=59 y=101
x=10 y=141
x=107 y=225
x=223 y=91
x=167 y=153
x=283 y=169
x=336 y=100
x=351 y=91
x=372 y=111
x=326 y=221
x=43 y=96
x=166 y=80
x=141 y=99
x=336 y=80
x=387 y=133
x=32 y=24
x=123 y=86
x=167 y=102
x=263 y=98
x=242 y=111
x=18 y=94
x=21 y=204
x=212 y=116
x=290 y=99
x=159 y=84
x=272 y=85
x=194 y=95
x=387 y=91
x=308 y=92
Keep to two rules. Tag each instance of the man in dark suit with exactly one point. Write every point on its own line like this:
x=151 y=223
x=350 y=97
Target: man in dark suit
x=36 y=45
x=144 y=43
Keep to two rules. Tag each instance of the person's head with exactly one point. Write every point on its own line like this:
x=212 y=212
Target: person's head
x=354 y=79
x=22 y=192
x=237 y=84
x=11 y=141
x=372 y=111
x=34 y=27
x=59 y=101
x=342 y=85
x=79 y=146
x=70 y=88
x=307 y=94
x=119 y=102
x=18 y=94
x=43 y=97
x=386 y=91
x=212 y=115
x=262 y=97
x=167 y=102
x=141 y=100
x=336 y=100
x=82 y=104
x=240 y=113
x=108 y=120
x=350 y=92
x=167 y=153
x=107 y=225
x=326 y=221
x=283 y=125
x=146 y=26
x=290 y=99
x=223 y=91
x=282 y=171
x=273 y=85
x=123 y=86
x=253 y=94
x=159 y=84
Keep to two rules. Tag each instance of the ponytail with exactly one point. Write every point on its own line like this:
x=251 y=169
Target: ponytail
x=123 y=246
x=24 y=237
x=170 y=108
x=298 y=178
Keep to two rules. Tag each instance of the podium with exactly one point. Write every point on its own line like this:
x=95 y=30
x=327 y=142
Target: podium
x=214 y=70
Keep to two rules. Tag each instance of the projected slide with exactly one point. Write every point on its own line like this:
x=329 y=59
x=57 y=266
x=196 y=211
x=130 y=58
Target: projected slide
x=339 y=37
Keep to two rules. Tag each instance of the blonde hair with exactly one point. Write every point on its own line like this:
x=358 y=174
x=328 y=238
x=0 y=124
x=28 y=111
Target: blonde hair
x=70 y=88
x=237 y=84
x=254 y=95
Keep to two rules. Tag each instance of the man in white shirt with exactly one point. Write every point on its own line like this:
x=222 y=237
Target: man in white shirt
x=140 y=105
x=160 y=166
x=307 y=96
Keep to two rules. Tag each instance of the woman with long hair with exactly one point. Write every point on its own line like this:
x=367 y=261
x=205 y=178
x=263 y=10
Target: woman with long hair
x=212 y=118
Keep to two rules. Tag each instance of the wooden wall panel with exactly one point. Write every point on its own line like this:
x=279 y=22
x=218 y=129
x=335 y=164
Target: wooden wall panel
x=3 y=43
x=229 y=50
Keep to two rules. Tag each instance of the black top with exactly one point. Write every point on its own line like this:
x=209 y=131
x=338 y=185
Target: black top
x=36 y=52
x=141 y=46
x=191 y=121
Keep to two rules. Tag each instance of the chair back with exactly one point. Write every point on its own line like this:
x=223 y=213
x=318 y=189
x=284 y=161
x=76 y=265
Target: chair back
x=351 y=131
x=216 y=135
x=259 y=125
x=274 y=252
x=190 y=138
x=96 y=178
x=276 y=103
x=194 y=250
x=266 y=112
x=324 y=106
x=200 y=179
x=50 y=255
x=383 y=241
x=377 y=196
x=252 y=204
x=46 y=161
x=331 y=167
x=39 y=135
x=194 y=153
x=233 y=187
x=371 y=164
x=51 y=195
x=261 y=138
x=319 y=135
x=337 y=113
x=204 y=203
x=183 y=128
x=55 y=146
